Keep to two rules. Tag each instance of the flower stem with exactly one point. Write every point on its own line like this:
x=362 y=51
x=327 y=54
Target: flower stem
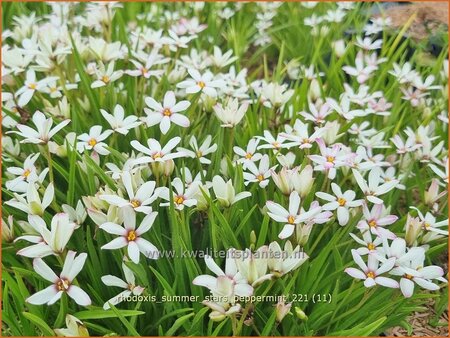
x=50 y=164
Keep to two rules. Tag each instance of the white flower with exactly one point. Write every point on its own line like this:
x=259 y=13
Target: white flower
x=299 y=135
x=227 y=284
x=131 y=237
x=281 y=262
x=374 y=189
x=31 y=203
x=230 y=114
x=340 y=202
x=201 y=83
x=371 y=272
x=220 y=59
x=181 y=197
x=271 y=142
x=50 y=242
x=129 y=285
x=258 y=174
x=75 y=328
x=288 y=180
x=369 y=245
x=63 y=283
x=119 y=122
x=167 y=112
x=429 y=223
x=225 y=192
x=343 y=108
x=155 y=152
x=94 y=140
x=253 y=266
x=76 y=215
x=26 y=175
x=248 y=155
x=329 y=158
x=375 y=220
x=30 y=86
x=275 y=95
x=106 y=76
x=144 y=69
x=199 y=152
x=291 y=217
x=43 y=132
x=139 y=198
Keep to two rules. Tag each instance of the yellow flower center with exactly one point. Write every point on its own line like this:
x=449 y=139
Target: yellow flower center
x=167 y=112
x=248 y=156
x=105 y=78
x=305 y=141
x=371 y=246
x=199 y=153
x=260 y=177
x=179 y=199
x=26 y=173
x=407 y=276
x=330 y=159
x=135 y=203
x=92 y=142
x=144 y=70
x=373 y=224
x=291 y=220
x=62 y=284
x=156 y=155
x=201 y=84
x=371 y=274
x=276 y=144
x=32 y=85
x=131 y=235
x=341 y=201
x=426 y=225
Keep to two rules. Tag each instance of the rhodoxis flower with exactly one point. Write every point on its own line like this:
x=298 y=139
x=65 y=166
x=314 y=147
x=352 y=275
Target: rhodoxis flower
x=230 y=114
x=181 y=197
x=248 y=155
x=227 y=284
x=49 y=242
x=201 y=83
x=199 y=152
x=258 y=174
x=155 y=152
x=343 y=108
x=429 y=223
x=26 y=175
x=299 y=136
x=371 y=273
x=43 y=132
x=288 y=180
x=145 y=68
x=291 y=217
x=253 y=266
x=340 y=202
x=139 y=198
x=225 y=192
x=281 y=262
x=131 y=237
x=119 y=122
x=167 y=112
x=94 y=140
x=75 y=328
x=373 y=189
x=369 y=244
x=375 y=221
x=30 y=86
x=129 y=285
x=62 y=284
x=106 y=75
x=329 y=159
x=31 y=203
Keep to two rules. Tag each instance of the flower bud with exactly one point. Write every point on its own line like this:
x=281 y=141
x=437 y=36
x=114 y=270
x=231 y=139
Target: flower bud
x=169 y=166
x=314 y=90
x=304 y=181
x=300 y=314
x=331 y=132
x=413 y=227
x=338 y=47
x=8 y=229
x=282 y=309
x=283 y=180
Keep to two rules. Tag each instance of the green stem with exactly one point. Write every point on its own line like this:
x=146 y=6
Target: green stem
x=50 y=164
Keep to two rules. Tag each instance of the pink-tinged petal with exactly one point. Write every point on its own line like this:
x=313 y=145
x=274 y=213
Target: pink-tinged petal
x=147 y=248
x=165 y=124
x=431 y=272
x=116 y=243
x=360 y=180
x=355 y=273
x=156 y=106
x=133 y=252
x=37 y=250
x=180 y=120
x=44 y=270
x=139 y=147
x=387 y=220
x=44 y=296
x=342 y=215
x=407 y=287
x=358 y=260
x=114 y=281
x=426 y=284
x=169 y=99
x=243 y=290
x=387 y=282
x=114 y=200
x=77 y=266
x=113 y=228
x=294 y=203
x=369 y=282
x=79 y=296
x=386 y=266
x=180 y=106
x=374 y=200
x=287 y=231
x=277 y=210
